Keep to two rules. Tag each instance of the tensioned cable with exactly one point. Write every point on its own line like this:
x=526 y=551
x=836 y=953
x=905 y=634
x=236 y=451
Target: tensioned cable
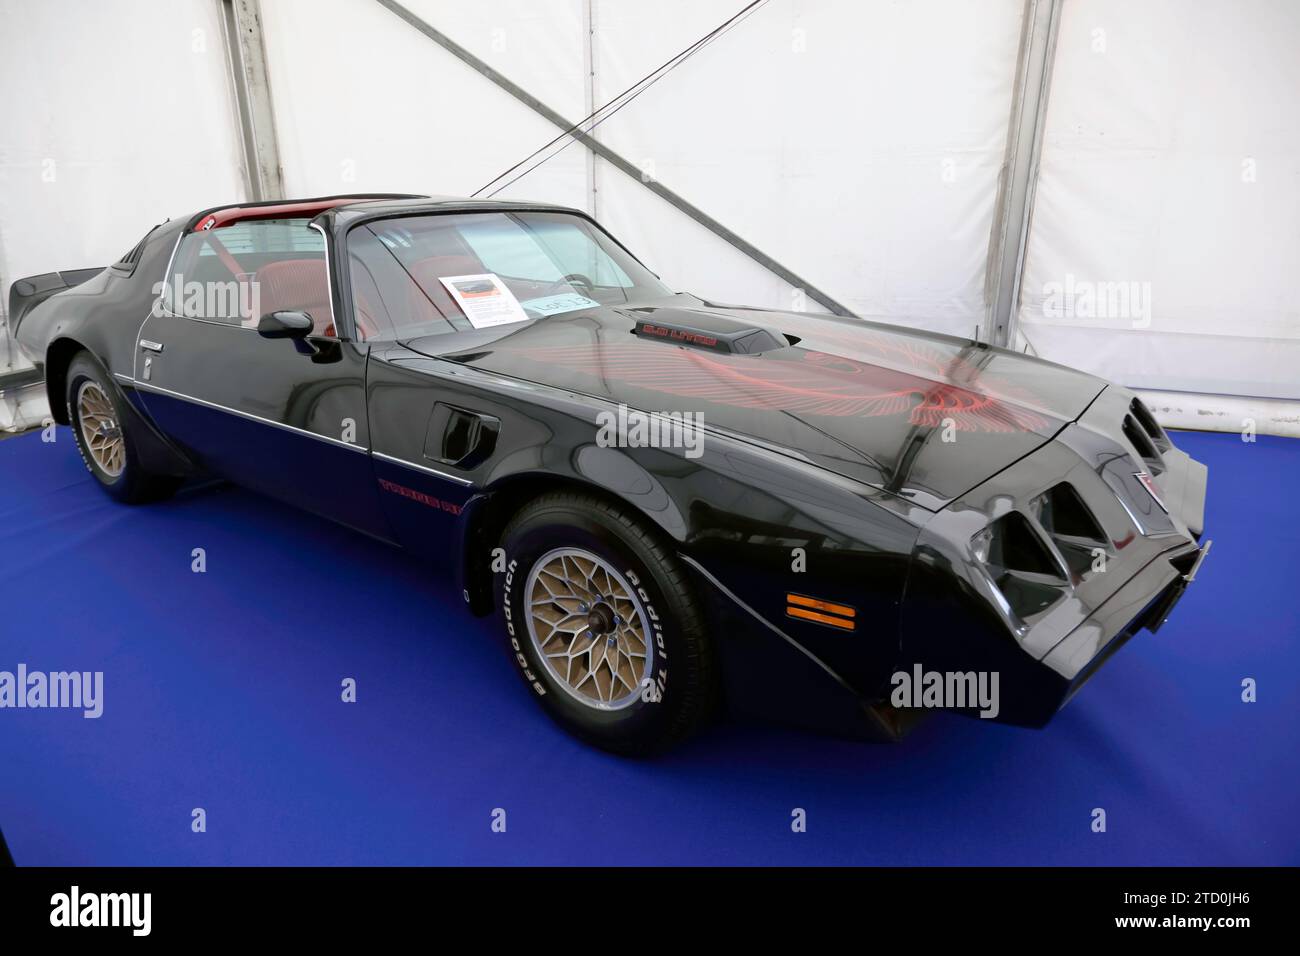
x=652 y=78
x=627 y=96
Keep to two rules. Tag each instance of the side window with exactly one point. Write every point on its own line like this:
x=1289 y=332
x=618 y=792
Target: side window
x=387 y=303
x=235 y=274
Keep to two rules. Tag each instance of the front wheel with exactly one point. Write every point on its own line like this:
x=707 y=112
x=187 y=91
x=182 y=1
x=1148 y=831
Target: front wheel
x=604 y=626
x=99 y=426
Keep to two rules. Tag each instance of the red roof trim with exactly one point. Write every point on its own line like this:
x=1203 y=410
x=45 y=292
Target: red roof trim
x=287 y=210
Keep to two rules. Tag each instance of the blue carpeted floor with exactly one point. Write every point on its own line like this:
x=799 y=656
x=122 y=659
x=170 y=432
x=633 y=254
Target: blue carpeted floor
x=222 y=692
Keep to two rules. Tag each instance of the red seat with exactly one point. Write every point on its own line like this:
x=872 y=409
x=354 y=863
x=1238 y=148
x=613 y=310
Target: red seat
x=297 y=285
x=428 y=271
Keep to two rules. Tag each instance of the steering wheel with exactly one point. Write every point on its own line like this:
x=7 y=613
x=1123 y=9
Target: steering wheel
x=573 y=278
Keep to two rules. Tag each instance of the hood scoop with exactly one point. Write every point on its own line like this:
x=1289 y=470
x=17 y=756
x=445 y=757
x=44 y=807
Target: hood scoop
x=705 y=330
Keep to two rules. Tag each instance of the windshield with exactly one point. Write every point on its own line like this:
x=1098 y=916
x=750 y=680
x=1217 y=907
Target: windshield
x=423 y=275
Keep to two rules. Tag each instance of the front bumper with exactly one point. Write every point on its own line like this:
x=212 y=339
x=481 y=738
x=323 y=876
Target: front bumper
x=1031 y=690
x=1145 y=601
x=1147 y=502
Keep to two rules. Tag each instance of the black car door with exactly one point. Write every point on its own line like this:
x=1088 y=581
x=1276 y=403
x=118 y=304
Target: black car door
x=283 y=416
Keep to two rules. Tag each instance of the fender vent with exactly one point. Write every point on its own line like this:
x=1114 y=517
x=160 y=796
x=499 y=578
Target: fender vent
x=1143 y=443
x=1149 y=425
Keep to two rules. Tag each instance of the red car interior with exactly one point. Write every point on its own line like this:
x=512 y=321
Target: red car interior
x=297 y=285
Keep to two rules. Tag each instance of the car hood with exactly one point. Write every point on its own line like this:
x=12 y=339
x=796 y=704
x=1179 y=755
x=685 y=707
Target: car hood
x=924 y=416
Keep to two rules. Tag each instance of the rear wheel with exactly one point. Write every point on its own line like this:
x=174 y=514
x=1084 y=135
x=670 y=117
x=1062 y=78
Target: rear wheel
x=596 y=606
x=106 y=445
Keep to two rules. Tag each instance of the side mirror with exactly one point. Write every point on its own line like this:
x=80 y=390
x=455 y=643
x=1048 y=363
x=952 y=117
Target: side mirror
x=285 y=325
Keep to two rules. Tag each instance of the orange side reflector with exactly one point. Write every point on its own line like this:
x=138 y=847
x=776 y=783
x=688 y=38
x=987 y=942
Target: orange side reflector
x=823 y=612
x=808 y=615
x=842 y=609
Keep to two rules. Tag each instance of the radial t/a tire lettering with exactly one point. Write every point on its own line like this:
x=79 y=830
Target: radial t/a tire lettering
x=604 y=626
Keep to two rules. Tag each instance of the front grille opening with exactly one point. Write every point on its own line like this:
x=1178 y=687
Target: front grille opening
x=1063 y=514
x=1149 y=425
x=1022 y=567
x=1028 y=598
x=1015 y=547
x=1072 y=526
x=1146 y=448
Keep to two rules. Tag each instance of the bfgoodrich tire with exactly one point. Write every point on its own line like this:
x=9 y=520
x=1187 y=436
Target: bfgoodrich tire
x=596 y=609
x=103 y=438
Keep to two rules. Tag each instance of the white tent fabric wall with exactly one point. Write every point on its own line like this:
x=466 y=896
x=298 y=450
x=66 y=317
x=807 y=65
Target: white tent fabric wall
x=864 y=164
x=867 y=165
x=858 y=144
x=103 y=138
x=1166 y=225
x=363 y=102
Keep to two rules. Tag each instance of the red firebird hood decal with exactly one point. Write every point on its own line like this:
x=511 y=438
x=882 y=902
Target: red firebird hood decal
x=928 y=417
x=807 y=382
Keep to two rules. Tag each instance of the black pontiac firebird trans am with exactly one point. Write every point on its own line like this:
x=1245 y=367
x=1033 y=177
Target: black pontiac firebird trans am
x=847 y=502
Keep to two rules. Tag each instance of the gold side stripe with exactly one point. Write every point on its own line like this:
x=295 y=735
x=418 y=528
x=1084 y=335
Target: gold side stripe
x=807 y=615
x=842 y=609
